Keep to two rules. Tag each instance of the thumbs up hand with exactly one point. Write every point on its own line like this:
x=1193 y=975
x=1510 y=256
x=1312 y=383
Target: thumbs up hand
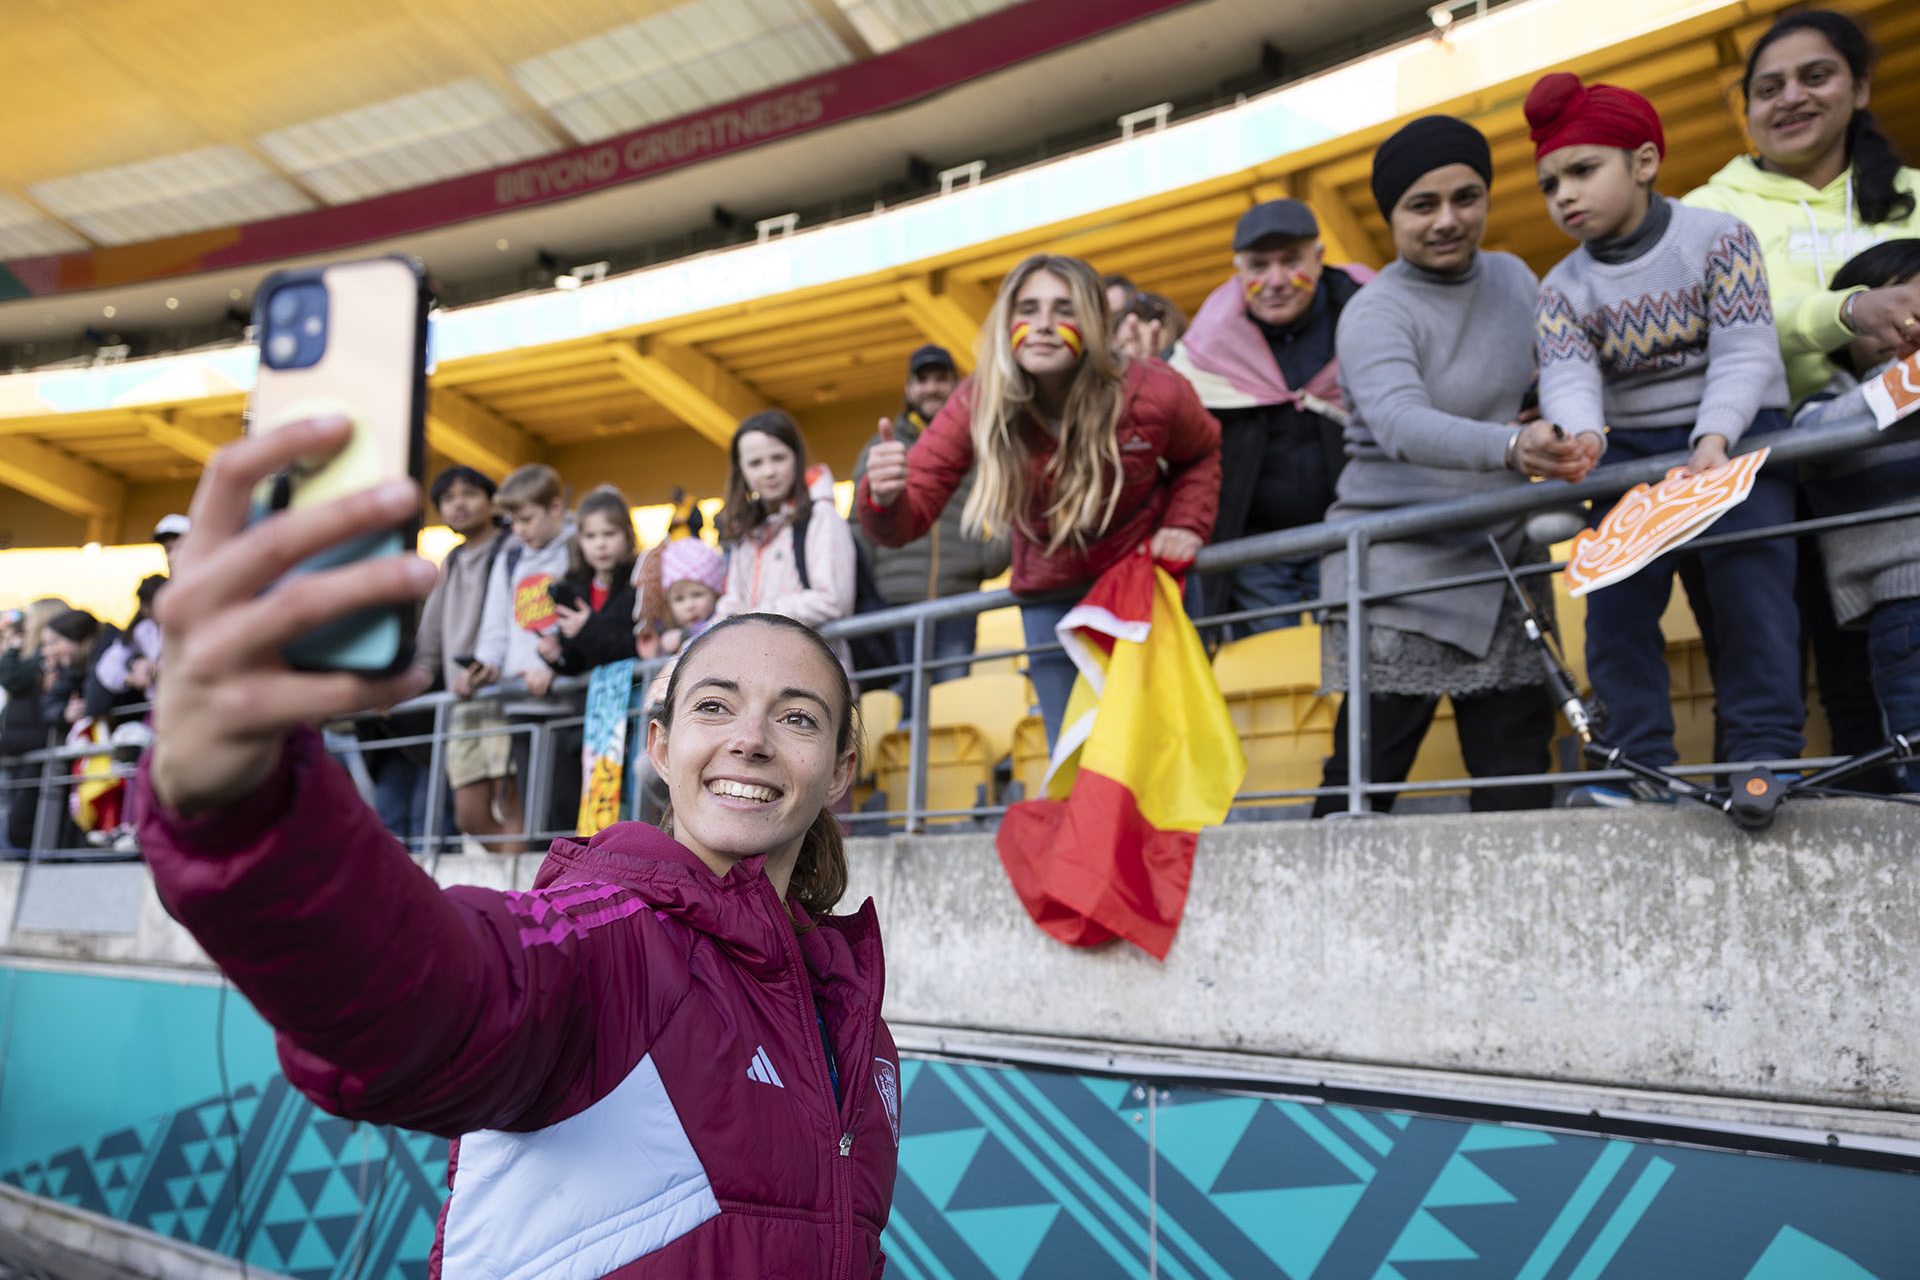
x=886 y=467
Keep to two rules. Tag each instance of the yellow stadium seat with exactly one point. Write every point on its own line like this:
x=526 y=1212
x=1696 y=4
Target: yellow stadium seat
x=879 y=716
x=997 y=630
x=1271 y=685
x=971 y=724
x=1030 y=755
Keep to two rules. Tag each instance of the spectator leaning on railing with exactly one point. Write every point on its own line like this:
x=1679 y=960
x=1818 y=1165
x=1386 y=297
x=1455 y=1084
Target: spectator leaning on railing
x=1261 y=355
x=1874 y=569
x=789 y=550
x=1823 y=184
x=23 y=717
x=947 y=561
x=1083 y=454
x=1656 y=337
x=596 y=624
x=1437 y=358
x=486 y=801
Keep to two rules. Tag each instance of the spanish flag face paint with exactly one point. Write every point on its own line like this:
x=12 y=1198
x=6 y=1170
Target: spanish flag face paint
x=1302 y=281
x=1253 y=289
x=1065 y=330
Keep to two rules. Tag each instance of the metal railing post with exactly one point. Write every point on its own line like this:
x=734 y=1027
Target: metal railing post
x=533 y=795
x=1359 y=728
x=917 y=730
x=45 y=822
x=436 y=780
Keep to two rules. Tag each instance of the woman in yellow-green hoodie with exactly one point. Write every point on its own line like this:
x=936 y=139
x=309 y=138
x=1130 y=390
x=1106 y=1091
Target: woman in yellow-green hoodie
x=1825 y=185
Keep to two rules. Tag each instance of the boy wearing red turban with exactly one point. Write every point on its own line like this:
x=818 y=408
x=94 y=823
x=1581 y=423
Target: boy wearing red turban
x=1656 y=336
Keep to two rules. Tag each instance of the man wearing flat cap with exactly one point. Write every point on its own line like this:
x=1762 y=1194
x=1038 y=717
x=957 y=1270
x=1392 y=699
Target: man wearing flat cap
x=1261 y=355
x=947 y=562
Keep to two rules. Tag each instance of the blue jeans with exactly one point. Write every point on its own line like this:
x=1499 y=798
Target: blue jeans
x=950 y=638
x=1267 y=586
x=1893 y=650
x=399 y=792
x=1754 y=628
x=1053 y=673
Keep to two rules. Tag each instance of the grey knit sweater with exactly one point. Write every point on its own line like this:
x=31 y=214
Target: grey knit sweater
x=1871 y=564
x=1435 y=368
x=1681 y=335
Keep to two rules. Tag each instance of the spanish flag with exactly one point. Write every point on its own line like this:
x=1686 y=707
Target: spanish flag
x=1147 y=756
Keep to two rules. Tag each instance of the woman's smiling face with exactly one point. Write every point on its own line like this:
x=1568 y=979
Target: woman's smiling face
x=750 y=750
x=1800 y=98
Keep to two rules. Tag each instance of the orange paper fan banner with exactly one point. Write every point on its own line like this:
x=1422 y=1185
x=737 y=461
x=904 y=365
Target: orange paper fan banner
x=1650 y=520
x=1896 y=393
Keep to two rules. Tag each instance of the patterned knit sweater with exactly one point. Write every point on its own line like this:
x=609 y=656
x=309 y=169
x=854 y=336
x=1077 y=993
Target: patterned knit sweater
x=1680 y=335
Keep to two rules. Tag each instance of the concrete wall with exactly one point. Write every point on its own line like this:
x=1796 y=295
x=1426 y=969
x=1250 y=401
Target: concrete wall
x=1660 y=951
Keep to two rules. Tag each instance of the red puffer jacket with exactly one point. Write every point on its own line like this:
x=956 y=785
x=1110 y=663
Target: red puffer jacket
x=629 y=1054
x=1170 y=478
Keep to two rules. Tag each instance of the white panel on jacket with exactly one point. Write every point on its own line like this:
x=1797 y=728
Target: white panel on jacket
x=579 y=1198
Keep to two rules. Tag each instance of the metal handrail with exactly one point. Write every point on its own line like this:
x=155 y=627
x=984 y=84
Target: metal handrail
x=1354 y=535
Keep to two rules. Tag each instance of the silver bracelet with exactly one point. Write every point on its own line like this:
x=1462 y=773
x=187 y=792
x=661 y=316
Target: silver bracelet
x=1846 y=314
x=1513 y=449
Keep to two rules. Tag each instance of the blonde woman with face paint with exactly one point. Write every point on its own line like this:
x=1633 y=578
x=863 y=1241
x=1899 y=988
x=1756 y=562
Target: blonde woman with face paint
x=1084 y=454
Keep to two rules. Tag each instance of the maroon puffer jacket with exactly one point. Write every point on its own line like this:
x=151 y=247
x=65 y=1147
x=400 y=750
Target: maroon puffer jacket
x=629 y=1055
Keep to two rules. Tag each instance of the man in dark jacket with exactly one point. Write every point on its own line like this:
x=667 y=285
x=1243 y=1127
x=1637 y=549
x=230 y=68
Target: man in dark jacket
x=946 y=562
x=1260 y=353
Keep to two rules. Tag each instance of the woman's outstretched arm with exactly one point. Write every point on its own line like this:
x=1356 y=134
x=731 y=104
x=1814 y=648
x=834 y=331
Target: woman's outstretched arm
x=394 y=1001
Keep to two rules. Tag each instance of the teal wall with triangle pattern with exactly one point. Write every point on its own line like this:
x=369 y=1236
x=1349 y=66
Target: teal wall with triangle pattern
x=111 y=1099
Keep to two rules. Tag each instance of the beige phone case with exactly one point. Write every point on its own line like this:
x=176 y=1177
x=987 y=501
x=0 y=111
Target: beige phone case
x=372 y=372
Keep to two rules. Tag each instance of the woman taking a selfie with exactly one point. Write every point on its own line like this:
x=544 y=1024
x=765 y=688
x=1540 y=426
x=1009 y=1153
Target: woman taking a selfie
x=665 y=1059
x=1084 y=453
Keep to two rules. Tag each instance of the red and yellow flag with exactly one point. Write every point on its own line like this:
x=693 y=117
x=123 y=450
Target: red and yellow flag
x=1147 y=756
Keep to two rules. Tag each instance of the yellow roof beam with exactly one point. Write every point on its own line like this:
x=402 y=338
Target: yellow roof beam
x=62 y=481
x=948 y=311
x=472 y=435
x=195 y=444
x=691 y=386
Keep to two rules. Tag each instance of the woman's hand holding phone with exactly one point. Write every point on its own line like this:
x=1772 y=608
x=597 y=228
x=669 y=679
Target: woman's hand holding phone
x=572 y=617
x=229 y=698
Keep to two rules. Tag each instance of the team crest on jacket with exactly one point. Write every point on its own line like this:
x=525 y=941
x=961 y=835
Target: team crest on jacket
x=886 y=1080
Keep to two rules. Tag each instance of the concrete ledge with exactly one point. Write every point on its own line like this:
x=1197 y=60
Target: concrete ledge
x=74 y=1244
x=1660 y=951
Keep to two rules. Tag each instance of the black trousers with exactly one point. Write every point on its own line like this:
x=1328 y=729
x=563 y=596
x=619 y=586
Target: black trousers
x=1507 y=731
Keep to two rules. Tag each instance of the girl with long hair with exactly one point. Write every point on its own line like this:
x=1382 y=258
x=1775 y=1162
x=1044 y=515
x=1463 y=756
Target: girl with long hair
x=595 y=606
x=666 y=1059
x=1083 y=453
x=789 y=550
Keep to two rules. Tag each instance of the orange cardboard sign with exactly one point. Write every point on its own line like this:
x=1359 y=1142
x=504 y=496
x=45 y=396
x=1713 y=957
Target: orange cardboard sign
x=1650 y=520
x=1896 y=393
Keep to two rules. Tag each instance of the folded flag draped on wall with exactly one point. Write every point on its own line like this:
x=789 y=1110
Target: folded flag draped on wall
x=1147 y=756
x=603 y=751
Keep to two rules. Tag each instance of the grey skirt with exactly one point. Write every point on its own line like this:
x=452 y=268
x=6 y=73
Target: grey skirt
x=1406 y=662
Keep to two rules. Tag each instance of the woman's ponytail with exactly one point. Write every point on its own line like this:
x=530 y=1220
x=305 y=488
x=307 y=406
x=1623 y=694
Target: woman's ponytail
x=1876 y=172
x=820 y=872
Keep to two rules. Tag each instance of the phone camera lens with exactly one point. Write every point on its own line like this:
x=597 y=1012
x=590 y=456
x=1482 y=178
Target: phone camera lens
x=281 y=347
x=284 y=307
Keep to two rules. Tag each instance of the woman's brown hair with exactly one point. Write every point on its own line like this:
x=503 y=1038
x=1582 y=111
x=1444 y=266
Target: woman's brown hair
x=745 y=510
x=820 y=873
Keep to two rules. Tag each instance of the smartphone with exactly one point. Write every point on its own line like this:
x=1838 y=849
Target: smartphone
x=348 y=339
x=565 y=593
